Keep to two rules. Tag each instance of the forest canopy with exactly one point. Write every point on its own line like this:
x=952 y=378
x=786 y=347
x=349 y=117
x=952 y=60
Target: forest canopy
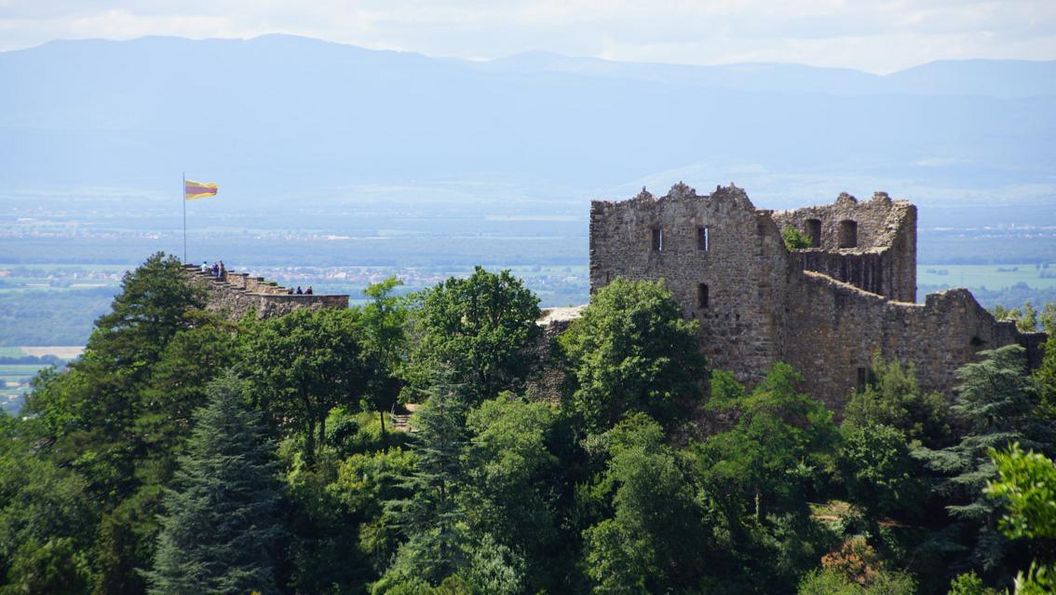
x=444 y=442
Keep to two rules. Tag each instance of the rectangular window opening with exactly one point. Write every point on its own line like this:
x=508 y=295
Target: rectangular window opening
x=866 y=378
x=702 y=295
x=703 y=239
x=658 y=239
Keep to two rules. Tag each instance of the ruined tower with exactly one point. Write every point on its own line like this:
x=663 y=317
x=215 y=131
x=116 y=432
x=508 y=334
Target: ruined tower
x=825 y=309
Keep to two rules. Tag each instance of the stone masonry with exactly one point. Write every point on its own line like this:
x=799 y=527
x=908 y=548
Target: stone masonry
x=239 y=293
x=825 y=309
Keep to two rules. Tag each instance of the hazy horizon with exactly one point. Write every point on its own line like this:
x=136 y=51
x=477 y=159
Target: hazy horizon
x=872 y=36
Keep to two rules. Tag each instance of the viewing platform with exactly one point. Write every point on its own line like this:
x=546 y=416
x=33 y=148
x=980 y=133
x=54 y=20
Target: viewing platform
x=238 y=293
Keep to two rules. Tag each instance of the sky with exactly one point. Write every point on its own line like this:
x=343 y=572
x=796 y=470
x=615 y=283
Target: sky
x=879 y=36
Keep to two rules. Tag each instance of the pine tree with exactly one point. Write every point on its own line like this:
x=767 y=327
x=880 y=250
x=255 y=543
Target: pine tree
x=996 y=402
x=431 y=518
x=221 y=526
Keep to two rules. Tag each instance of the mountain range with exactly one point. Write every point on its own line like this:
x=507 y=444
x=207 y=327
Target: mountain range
x=281 y=116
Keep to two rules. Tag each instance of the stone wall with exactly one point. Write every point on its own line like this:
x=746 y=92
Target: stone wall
x=884 y=259
x=240 y=293
x=839 y=327
x=744 y=266
x=763 y=304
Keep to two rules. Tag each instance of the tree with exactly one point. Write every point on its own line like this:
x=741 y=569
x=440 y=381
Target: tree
x=651 y=539
x=895 y=400
x=478 y=330
x=1046 y=377
x=90 y=410
x=382 y=324
x=877 y=469
x=152 y=307
x=1026 y=485
x=221 y=524
x=631 y=351
x=430 y=517
x=996 y=401
x=780 y=444
x=795 y=239
x=304 y=364
x=177 y=389
x=510 y=479
x=1027 y=318
x=46 y=522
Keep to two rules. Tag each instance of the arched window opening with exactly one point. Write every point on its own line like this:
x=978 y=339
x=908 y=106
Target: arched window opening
x=848 y=234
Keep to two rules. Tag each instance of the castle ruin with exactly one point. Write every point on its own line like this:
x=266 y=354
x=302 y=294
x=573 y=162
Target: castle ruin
x=240 y=293
x=825 y=309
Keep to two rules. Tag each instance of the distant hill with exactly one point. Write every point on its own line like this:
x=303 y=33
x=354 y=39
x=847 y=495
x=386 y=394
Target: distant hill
x=281 y=114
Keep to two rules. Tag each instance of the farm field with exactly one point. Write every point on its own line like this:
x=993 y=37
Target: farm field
x=15 y=378
x=988 y=276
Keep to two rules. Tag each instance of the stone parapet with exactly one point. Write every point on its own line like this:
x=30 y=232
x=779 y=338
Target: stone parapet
x=239 y=293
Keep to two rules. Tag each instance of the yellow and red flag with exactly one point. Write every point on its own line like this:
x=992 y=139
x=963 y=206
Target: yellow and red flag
x=194 y=190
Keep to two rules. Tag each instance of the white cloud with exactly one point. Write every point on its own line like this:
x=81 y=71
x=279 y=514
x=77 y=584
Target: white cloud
x=875 y=35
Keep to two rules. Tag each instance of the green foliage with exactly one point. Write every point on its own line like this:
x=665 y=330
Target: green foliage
x=1026 y=484
x=877 y=469
x=631 y=351
x=125 y=542
x=176 y=389
x=895 y=400
x=832 y=582
x=90 y=411
x=128 y=459
x=795 y=239
x=1025 y=317
x=46 y=524
x=385 y=348
x=650 y=542
x=969 y=583
x=302 y=365
x=152 y=307
x=430 y=518
x=364 y=483
x=221 y=526
x=780 y=445
x=855 y=569
x=509 y=494
x=476 y=330
x=996 y=401
x=1045 y=376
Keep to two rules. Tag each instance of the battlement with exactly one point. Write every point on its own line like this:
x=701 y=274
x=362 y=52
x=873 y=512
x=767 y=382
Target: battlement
x=825 y=309
x=872 y=244
x=239 y=293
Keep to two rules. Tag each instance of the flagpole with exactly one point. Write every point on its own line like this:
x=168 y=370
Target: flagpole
x=183 y=199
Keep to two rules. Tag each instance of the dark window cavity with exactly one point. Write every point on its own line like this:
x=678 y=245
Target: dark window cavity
x=658 y=239
x=866 y=378
x=848 y=234
x=814 y=231
x=702 y=295
x=703 y=239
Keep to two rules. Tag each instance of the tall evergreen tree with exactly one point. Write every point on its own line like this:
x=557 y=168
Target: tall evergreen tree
x=221 y=526
x=996 y=402
x=431 y=519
